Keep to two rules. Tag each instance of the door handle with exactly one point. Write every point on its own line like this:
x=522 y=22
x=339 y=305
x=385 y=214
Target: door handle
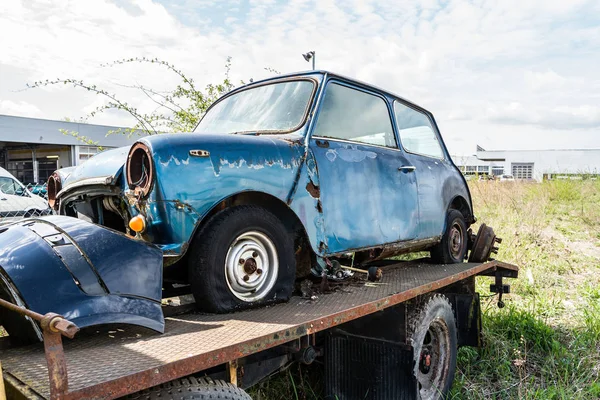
x=407 y=168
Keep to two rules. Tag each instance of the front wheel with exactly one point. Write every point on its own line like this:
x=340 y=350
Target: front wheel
x=453 y=246
x=244 y=257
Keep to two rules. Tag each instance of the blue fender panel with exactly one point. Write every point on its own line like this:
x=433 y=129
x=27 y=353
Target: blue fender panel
x=89 y=274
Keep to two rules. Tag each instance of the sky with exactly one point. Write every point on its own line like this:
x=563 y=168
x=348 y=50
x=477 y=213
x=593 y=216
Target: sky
x=504 y=74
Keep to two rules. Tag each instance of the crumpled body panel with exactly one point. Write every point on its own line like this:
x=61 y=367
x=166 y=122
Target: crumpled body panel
x=89 y=274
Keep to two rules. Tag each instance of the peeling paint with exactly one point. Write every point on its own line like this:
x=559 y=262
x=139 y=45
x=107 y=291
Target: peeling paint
x=166 y=163
x=349 y=153
x=313 y=190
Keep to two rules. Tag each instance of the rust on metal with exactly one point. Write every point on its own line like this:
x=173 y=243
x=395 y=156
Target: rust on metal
x=57 y=365
x=296 y=324
x=313 y=190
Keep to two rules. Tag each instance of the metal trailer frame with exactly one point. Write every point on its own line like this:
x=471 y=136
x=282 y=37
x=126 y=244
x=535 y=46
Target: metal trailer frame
x=195 y=342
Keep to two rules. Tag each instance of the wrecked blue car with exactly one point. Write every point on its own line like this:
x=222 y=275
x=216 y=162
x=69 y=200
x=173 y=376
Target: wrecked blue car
x=282 y=178
x=77 y=269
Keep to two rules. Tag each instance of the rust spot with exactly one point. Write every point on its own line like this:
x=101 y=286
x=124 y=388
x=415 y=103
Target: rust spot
x=319 y=207
x=313 y=190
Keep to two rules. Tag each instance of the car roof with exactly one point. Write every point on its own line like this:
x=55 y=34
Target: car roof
x=334 y=75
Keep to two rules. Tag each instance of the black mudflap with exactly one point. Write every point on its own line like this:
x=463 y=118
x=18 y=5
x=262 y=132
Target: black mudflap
x=357 y=367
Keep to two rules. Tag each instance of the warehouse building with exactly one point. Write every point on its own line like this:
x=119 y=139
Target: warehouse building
x=532 y=164
x=31 y=149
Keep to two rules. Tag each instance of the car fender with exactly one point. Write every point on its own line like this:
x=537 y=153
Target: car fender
x=71 y=267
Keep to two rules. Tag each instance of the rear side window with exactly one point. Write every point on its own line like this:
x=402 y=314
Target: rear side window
x=351 y=114
x=416 y=132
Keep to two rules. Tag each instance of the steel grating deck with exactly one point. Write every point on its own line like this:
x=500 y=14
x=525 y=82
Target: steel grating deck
x=131 y=358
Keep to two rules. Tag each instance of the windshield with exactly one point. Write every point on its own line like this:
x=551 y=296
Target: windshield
x=274 y=107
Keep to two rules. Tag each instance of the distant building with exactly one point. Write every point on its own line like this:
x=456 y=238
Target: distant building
x=532 y=164
x=31 y=149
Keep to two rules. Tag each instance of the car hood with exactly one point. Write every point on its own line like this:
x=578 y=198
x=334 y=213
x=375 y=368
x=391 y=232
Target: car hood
x=69 y=266
x=105 y=167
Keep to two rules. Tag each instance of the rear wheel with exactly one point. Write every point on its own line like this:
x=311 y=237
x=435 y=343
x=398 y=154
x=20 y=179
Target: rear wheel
x=192 y=388
x=453 y=246
x=242 y=258
x=432 y=332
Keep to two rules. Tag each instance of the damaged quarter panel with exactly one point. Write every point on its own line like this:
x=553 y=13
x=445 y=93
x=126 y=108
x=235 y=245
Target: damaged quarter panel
x=70 y=267
x=194 y=172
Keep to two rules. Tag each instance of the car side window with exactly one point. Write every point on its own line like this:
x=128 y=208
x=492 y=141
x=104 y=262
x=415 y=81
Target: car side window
x=351 y=114
x=10 y=186
x=7 y=185
x=416 y=132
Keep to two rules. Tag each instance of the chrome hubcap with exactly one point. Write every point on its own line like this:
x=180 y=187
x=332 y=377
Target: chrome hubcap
x=251 y=266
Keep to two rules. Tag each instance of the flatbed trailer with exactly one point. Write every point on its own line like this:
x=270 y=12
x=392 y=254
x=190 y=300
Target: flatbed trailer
x=360 y=330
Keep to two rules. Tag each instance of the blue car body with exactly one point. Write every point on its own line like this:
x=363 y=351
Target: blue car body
x=346 y=196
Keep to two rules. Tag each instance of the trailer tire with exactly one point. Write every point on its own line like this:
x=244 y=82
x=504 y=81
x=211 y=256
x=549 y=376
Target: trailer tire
x=192 y=388
x=432 y=334
x=244 y=257
x=452 y=249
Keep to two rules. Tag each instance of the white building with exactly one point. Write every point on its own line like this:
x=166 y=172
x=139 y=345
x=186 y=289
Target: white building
x=532 y=164
x=31 y=149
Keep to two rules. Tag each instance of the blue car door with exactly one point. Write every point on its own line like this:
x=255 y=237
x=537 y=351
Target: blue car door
x=368 y=187
x=424 y=151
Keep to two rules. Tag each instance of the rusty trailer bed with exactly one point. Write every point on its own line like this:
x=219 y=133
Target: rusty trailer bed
x=112 y=363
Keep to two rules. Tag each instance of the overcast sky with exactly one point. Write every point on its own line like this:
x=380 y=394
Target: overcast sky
x=504 y=74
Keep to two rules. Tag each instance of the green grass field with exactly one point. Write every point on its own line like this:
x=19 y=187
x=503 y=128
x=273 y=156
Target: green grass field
x=545 y=344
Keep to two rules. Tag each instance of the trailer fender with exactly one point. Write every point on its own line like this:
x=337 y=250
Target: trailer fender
x=89 y=274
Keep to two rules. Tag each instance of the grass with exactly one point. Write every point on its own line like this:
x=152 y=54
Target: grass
x=545 y=344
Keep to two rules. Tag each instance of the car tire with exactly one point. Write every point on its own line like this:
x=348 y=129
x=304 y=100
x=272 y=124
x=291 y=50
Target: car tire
x=432 y=334
x=192 y=388
x=244 y=257
x=452 y=248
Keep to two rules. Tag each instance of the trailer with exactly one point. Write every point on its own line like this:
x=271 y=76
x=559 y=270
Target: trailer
x=394 y=339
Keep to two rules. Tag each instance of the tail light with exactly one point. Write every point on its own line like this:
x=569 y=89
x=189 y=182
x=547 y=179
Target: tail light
x=54 y=186
x=140 y=169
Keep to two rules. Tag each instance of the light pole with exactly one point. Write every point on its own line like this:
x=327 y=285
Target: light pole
x=310 y=56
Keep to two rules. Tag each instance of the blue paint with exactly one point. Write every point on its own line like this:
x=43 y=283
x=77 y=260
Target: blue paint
x=348 y=195
x=77 y=269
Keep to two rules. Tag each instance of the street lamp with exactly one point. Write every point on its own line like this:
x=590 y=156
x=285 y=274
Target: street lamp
x=310 y=56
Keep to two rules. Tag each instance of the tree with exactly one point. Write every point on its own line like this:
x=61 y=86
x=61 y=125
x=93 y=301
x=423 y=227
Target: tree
x=178 y=110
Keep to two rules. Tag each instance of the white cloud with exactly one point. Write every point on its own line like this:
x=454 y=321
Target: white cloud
x=479 y=66
x=19 y=108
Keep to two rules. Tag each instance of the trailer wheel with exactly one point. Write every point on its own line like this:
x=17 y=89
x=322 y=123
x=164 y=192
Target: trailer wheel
x=192 y=388
x=453 y=246
x=432 y=334
x=244 y=257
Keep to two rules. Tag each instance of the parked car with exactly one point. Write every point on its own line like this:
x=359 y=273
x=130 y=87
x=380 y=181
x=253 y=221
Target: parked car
x=16 y=201
x=39 y=189
x=506 y=178
x=281 y=178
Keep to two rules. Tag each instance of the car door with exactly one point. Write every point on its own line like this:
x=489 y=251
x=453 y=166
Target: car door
x=368 y=190
x=424 y=150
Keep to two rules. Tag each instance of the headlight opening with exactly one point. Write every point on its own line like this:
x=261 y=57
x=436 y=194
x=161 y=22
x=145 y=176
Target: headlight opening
x=54 y=186
x=140 y=169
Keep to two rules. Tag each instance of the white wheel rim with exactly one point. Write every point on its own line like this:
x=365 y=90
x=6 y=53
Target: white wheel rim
x=251 y=266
